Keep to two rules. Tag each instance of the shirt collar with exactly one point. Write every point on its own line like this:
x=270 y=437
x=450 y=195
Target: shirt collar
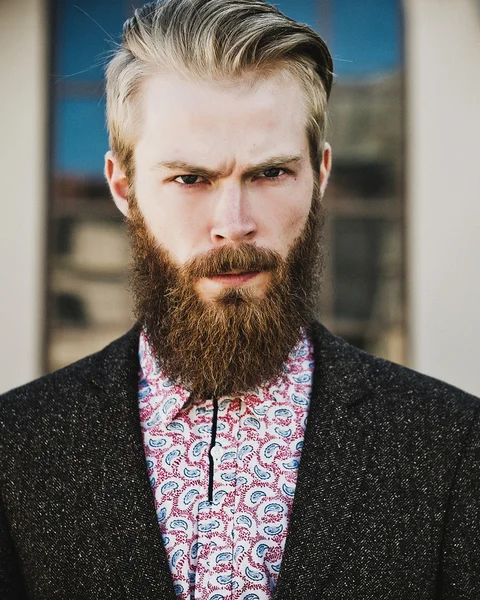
x=166 y=398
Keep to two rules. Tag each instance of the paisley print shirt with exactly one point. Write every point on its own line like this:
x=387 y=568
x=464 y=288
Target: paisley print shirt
x=223 y=509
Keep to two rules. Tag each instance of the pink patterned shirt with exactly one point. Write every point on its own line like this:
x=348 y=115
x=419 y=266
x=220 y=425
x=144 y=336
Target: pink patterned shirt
x=223 y=515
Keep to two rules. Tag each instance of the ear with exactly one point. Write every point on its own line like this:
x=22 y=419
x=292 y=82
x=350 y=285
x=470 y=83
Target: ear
x=117 y=182
x=325 y=167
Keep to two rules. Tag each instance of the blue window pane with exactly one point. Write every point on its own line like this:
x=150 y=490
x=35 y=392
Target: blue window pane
x=84 y=36
x=303 y=11
x=81 y=139
x=366 y=36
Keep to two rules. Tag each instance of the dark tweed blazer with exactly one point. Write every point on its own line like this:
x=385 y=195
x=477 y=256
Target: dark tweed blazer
x=387 y=504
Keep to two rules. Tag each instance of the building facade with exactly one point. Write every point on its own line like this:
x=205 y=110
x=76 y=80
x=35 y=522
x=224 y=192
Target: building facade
x=402 y=276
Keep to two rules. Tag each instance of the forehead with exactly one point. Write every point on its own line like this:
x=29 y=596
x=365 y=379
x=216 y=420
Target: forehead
x=223 y=121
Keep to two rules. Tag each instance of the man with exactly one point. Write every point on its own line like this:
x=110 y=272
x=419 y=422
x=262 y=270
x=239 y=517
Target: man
x=178 y=461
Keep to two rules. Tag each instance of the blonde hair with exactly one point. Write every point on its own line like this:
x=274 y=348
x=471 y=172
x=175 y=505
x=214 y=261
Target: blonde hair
x=213 y=39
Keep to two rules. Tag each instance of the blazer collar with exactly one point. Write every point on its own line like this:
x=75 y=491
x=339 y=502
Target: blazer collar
x=334 y=458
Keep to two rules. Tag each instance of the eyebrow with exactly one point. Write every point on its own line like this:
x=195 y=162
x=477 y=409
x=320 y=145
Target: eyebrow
x=186 y=167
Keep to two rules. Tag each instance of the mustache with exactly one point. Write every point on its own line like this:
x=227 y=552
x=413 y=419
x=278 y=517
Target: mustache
x=244 y=258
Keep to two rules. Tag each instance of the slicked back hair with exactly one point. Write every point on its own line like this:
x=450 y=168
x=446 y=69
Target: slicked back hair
x=213 y=40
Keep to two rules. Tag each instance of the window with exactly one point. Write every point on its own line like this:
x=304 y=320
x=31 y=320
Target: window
x=362 y=297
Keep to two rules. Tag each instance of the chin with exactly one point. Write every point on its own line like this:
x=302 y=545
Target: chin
x=209 y=291
x=232 y=295
x=239 y=296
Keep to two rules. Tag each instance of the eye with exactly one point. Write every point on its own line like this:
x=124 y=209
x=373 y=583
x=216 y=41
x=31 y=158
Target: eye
x=188 y=179
x=272 y=173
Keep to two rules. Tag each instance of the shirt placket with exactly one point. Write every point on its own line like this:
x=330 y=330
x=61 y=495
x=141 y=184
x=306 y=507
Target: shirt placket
x=215 y=520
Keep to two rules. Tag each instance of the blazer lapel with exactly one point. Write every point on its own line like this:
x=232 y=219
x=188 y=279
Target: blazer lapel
x=334 y=459
x=130 y=524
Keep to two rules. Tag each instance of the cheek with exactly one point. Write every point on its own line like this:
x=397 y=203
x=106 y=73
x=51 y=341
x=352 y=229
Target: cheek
x=176 y=229
x=292 y=222
x=297 y=219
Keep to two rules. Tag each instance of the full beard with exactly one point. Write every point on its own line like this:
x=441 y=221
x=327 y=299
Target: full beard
x=238 y=341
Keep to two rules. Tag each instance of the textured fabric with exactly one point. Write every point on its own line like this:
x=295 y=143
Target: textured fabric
x=386 y=506
x=230 y=547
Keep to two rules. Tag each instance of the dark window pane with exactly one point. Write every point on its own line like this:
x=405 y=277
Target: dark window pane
x=362 y=178
x=356 y=250
x=367 y=269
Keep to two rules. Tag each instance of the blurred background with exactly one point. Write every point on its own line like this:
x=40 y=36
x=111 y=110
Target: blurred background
x=402 y=279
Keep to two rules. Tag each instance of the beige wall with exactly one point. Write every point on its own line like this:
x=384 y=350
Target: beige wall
x=22 y=175
x=443 y=136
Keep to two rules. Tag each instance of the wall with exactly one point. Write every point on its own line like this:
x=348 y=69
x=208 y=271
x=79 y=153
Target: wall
x=22 y=173
x=443 y=87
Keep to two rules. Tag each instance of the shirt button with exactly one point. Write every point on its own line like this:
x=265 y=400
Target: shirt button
x=216 y=451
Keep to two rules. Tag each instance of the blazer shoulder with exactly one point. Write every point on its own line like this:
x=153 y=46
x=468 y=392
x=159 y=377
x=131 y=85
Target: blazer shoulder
x=391 y=383
x=60 y=387
x=398 y=380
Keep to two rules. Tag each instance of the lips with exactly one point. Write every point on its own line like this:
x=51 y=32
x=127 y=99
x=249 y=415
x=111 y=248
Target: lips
x=235 y=278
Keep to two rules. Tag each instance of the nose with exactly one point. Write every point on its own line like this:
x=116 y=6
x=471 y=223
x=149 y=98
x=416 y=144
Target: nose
x=233 y=220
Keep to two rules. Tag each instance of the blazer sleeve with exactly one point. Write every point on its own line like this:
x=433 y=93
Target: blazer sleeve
x=461 y=556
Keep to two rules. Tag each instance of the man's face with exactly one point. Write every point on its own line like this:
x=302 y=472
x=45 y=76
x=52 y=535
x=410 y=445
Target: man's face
x=220 y=164
x=224 y=221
